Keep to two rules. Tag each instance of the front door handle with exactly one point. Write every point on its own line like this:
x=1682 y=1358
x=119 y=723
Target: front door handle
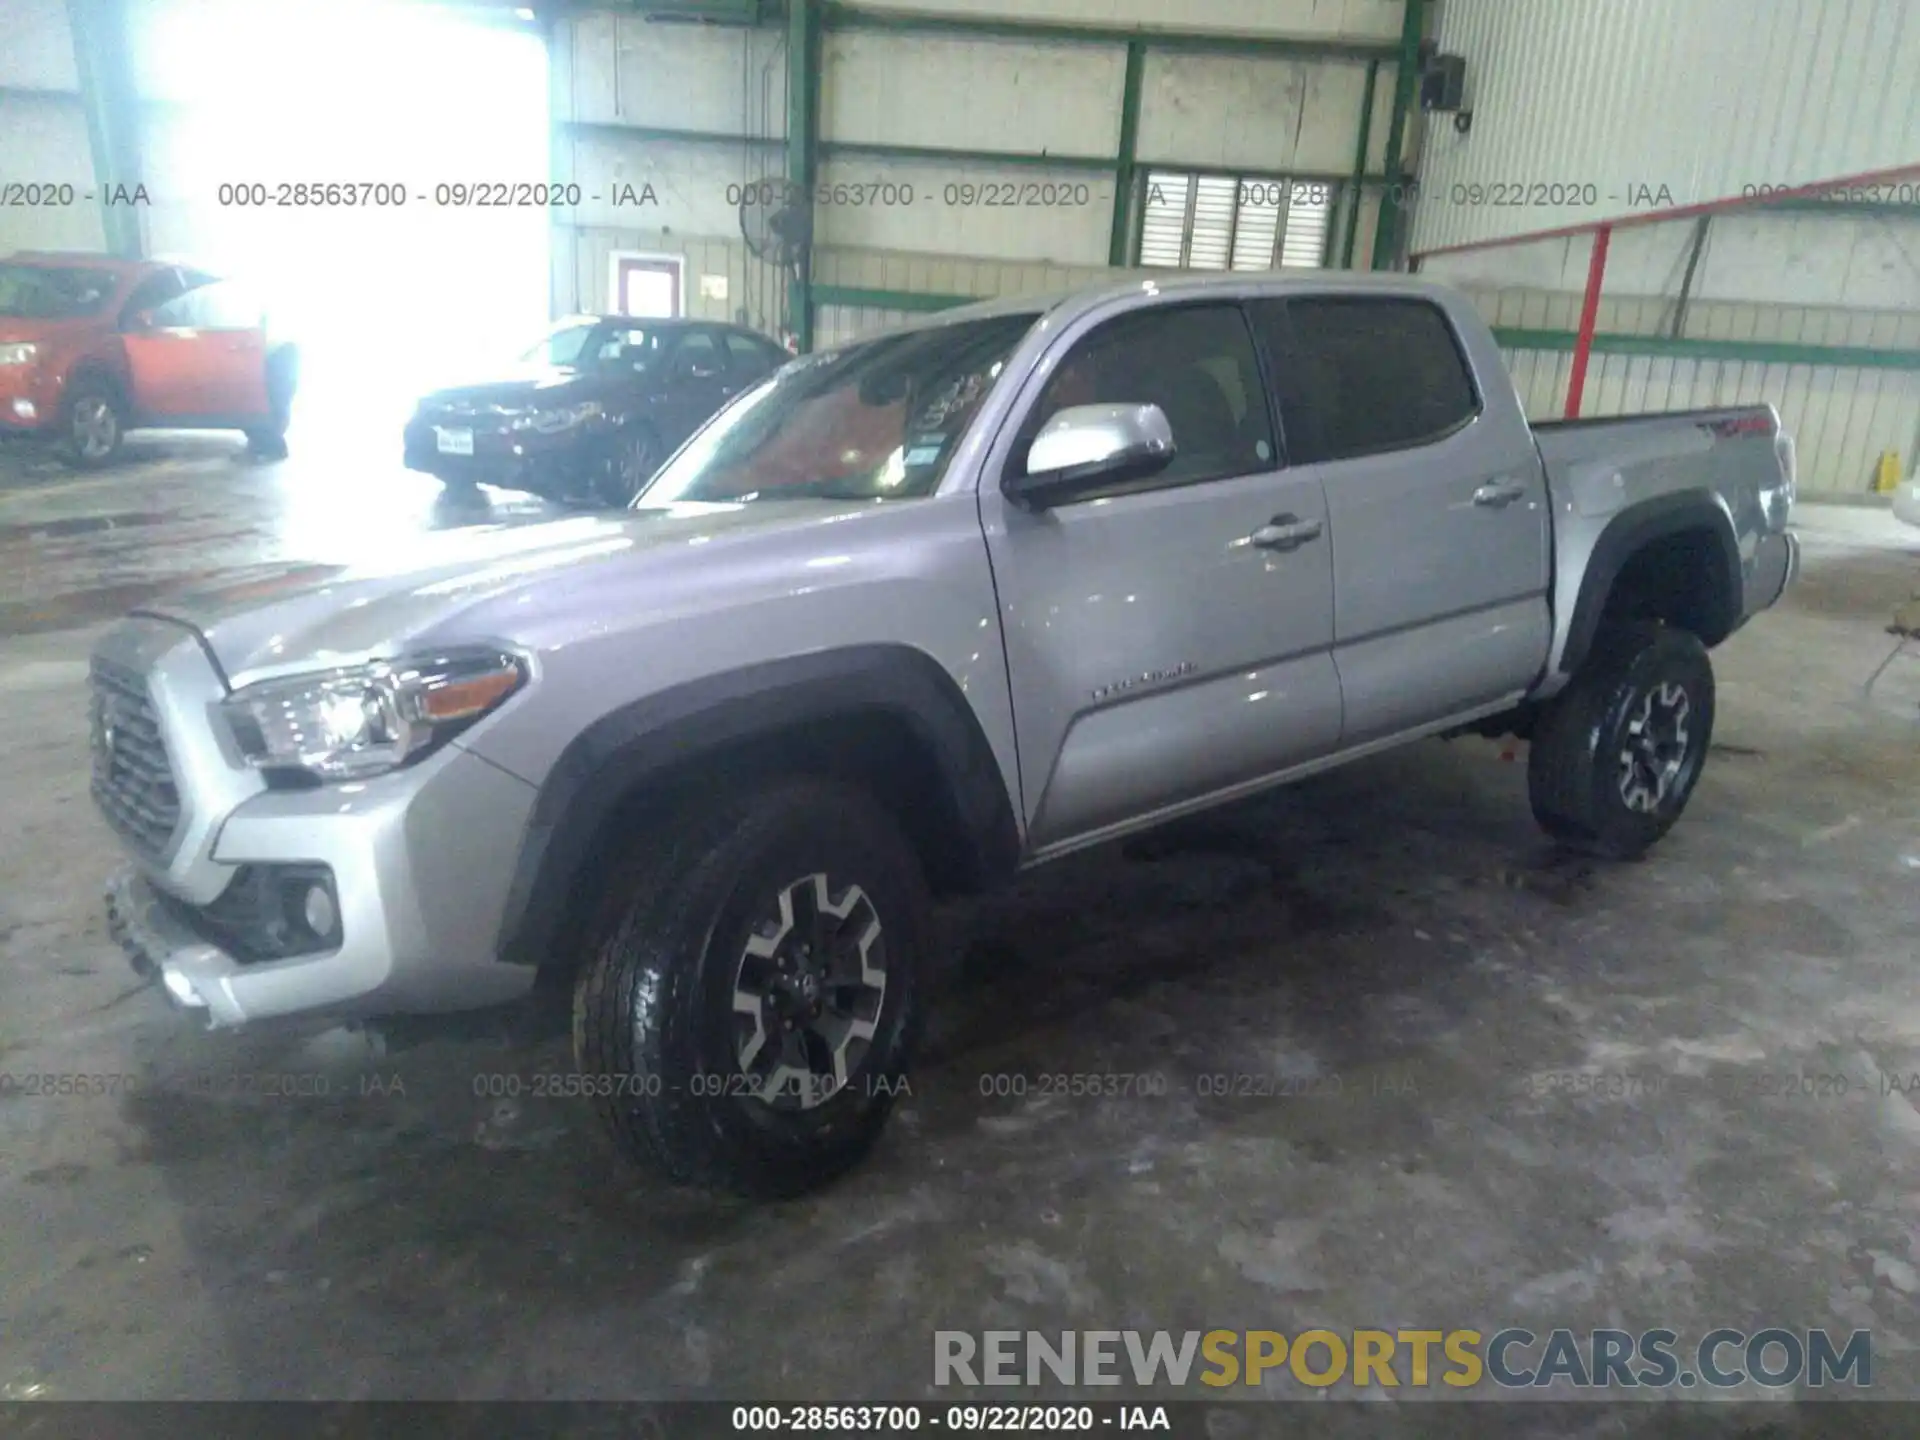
x=1286 y=532
x=1498 y=494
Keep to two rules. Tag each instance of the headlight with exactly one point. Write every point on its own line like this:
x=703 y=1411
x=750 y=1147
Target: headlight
x=348 y=724
x=18 y=354
x=565 y=418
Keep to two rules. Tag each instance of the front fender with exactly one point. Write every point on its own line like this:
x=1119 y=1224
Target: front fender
x=674 y=731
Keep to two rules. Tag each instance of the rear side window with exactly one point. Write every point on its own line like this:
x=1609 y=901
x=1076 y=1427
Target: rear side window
x=1359 y=375
x=753 y=357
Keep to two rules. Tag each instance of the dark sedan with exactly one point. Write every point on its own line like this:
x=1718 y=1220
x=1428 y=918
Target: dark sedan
x=592 y=411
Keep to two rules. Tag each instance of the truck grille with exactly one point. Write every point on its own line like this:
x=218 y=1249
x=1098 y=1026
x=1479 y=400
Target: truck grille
x=132 y=777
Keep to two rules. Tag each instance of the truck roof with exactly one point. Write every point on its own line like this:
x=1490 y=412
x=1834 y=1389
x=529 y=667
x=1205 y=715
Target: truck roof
x=1065 y=304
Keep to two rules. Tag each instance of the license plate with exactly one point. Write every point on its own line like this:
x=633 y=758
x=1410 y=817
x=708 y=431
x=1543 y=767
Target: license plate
x=453 y=442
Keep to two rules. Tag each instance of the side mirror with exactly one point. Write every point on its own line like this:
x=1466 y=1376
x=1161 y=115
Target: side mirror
x=1088 y=447
x=139 y=320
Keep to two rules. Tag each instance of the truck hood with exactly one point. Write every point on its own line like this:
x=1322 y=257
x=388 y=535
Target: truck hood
x=281 y=619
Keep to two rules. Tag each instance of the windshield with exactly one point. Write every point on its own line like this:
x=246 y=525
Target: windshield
x=875 y=421
x=54 y=292
x=563 y=344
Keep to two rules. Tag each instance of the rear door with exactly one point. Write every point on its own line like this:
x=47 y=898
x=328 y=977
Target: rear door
x=1436 y=502
x=201 y=358
x=1163 y=646
x=698 y=381
x=751 y=360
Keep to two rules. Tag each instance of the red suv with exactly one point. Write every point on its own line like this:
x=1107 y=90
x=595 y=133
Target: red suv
x=92 y=347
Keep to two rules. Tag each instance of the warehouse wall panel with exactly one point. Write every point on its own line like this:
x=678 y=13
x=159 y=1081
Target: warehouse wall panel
x=1254 y=113
x=987 y=94
x=1630 y=96
x=43 y=142
x=1016 y=212
x=720 y=79
x=38 y=53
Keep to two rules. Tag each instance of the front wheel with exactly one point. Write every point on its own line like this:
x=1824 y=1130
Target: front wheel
x=1616 y=754
x=627 y=467
x=749 y=1003
x=94 y=424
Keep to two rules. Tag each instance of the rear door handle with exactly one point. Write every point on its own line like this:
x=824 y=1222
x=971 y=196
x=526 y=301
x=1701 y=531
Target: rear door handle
x=1286 y=532
x=1498 y=494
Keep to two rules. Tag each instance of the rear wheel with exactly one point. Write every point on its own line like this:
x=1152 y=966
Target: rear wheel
x=93 y=424
x=749 y=1004
x=1616 y=754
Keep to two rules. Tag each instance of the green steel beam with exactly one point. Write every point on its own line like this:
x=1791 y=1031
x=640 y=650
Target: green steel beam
x=1354 y=189
x=1129 y=147
x=803 y=114
x=881 y=150
x=101 y=57
x=1405 y=78
x=1761 y=352
x=1866 y=209
x=837 y=16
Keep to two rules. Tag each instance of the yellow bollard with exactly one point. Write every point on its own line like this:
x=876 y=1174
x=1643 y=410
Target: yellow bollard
x=1886 y=478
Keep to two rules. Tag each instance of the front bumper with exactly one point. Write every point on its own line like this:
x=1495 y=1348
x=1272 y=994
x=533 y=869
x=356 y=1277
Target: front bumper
x=421 y=860
x=526 y=460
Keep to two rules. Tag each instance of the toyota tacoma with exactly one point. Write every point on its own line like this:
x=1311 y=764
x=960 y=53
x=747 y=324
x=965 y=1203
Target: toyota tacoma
x=904 y=618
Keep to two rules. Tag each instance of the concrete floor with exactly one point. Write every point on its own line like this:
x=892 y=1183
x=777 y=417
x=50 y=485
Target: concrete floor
x=1400 y=926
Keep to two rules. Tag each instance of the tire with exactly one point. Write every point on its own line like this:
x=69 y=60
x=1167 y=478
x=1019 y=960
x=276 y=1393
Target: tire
x=93 y=424
x=269 y=441
x=683 y=1079
x=630 y=461
x=1616 y=755
x=267 y=444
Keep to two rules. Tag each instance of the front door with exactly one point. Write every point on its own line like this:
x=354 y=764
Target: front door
x=200 y=358
x=1163 y=647
x=1436 y=500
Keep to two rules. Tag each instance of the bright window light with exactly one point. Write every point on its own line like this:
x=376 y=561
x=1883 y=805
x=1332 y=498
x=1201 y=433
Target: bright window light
x=384 y=301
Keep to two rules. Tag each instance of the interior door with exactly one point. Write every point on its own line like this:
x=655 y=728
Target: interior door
x=1436 y=500
x=650 y=289
x=1163 y=645
x=200 y=357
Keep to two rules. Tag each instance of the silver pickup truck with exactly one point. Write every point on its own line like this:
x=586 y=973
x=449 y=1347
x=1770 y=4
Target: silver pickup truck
x=907 y=617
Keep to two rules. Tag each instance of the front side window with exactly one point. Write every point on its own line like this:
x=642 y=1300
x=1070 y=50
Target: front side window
x=1197 y=363
x=564 y=346
x=627 y=348
x=1361 y=375
x=878 y=420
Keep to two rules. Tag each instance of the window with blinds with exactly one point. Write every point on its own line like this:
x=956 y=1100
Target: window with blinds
x=1234 y=222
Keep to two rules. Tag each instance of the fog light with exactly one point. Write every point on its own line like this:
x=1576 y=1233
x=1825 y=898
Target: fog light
x=180 y=987
x=319 y=911
x=25 y=409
